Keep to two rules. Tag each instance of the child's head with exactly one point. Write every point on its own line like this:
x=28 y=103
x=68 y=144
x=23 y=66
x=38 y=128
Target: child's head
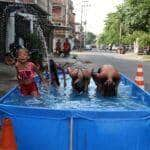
x=23 y=55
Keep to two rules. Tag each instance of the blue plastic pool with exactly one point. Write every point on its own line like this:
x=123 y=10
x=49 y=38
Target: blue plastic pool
x=64 y=120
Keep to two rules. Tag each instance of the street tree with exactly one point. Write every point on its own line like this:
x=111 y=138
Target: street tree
x=131 y=20
x=90 y=38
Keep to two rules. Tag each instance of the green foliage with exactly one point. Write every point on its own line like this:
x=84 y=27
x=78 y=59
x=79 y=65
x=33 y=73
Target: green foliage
x=144 y=40
x=90 y=38
x=111 y=31
x=130 y=38
x=137 y=16
x=33 y=42
x=127 y=39
x=130 y=21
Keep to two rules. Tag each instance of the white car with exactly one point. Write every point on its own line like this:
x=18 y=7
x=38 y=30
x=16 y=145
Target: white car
x=88 y=47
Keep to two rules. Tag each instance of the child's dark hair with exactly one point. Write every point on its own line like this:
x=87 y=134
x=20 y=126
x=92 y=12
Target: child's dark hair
x=109 y=89
x=53 y=70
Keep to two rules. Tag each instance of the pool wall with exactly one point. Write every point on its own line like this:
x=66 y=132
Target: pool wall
x=42 y=129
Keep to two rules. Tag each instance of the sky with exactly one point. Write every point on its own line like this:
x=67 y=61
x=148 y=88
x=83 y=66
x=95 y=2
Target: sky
x=96 y=13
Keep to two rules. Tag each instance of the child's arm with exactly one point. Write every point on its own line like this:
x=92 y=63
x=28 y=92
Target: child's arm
x=39 y=73
x=17 y=72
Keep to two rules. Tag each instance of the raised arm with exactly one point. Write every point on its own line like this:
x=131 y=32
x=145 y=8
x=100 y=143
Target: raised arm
x=39 y=73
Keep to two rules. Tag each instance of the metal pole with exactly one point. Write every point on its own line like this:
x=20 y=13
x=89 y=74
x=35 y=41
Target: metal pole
x=120 y=33
x=84 y=6
x=81 y=28
x=67 y=15
x=71 y=134
x=81 y=13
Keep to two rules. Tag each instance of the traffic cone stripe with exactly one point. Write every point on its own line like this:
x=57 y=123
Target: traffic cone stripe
x=140 y=82
x=142 y=86
x=140 y=66
x=139 y=79
x=140 y=70
x=140 y=74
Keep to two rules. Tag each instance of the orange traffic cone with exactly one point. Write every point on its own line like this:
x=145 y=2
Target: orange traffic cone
x=139 y=79
x=8 y=141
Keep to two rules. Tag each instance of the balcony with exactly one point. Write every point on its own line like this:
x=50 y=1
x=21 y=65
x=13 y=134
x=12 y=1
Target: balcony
x=56 y=18
x=59 y=32
x=19 y=1
x=58 y=2
x=43 y=4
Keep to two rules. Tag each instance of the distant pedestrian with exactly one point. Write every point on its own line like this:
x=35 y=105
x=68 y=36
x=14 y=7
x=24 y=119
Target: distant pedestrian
x=66 y=47
x=58 y=47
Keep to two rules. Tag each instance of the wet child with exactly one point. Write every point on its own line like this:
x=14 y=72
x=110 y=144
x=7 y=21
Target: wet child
x=80 y=79
x=107 y=80
x=26 y=71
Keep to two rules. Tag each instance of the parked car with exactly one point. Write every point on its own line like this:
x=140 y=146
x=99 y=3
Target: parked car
x=114 y=48
x=88 y=47
x=93 y=46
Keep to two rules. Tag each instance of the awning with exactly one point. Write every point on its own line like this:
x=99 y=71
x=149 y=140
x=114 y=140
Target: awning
x=56 y=27
x=26 y=8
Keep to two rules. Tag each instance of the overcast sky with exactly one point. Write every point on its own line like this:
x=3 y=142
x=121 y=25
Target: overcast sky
x=96 y=13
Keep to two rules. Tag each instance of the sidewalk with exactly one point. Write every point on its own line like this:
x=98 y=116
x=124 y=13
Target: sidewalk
x=127 y=56
x=133 y=56
x=7 y=78
x=74 y=61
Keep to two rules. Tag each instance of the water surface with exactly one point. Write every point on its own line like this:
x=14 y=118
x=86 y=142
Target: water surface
x=65 y=98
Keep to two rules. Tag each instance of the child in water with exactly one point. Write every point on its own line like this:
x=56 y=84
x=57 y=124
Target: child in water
x=25 y=73
x=80 y=79
x=107 y=80
x=54 y=73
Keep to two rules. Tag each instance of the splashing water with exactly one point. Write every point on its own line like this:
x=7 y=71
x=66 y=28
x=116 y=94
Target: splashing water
x=42 y=37
x=23 y=7
x=65 y=98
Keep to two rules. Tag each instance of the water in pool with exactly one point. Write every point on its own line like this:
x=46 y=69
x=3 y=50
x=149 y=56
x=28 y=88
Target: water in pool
x=65 y=98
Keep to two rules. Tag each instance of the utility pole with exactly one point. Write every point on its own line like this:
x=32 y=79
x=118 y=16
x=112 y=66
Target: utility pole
x=67 y=15
x=81 y=14
x=84 y=6
x=120 y=33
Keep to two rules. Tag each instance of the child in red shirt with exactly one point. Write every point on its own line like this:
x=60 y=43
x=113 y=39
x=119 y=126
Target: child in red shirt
x=25 y=73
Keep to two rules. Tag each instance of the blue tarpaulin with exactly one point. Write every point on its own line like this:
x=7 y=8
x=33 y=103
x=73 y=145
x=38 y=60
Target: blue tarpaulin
x=42 y=129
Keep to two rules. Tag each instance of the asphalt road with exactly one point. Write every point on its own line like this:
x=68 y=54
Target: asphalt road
x=124 y=65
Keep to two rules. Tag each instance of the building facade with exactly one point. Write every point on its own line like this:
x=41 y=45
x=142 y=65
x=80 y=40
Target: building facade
x=21 y=17
x=64 y=20
x=79 y=36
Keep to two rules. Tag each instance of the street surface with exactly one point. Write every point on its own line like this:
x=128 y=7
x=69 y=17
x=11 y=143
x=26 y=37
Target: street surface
x=126 y=65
